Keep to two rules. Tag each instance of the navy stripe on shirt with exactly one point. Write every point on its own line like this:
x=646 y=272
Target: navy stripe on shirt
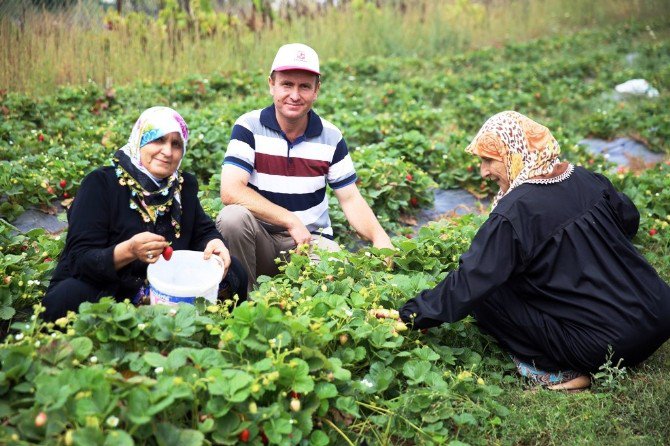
x=243 y=134
x=293 y=202
x=239 y=163
x=347 y=181
x=341 y=151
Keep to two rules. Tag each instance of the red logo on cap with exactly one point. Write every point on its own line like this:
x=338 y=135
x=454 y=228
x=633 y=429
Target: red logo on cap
x=300 y=55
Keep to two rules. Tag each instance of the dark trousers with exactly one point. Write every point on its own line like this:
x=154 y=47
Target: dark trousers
x=536 y=337
x=67 y=294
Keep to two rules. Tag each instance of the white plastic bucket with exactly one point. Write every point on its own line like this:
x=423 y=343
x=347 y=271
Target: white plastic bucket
x=184 y=277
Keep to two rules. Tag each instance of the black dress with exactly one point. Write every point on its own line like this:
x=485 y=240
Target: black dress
x=99 y=219
x=553 y=276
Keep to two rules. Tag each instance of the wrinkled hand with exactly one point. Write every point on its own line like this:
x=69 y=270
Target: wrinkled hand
x=147 y=246
x=382 y=313
x=216 y=246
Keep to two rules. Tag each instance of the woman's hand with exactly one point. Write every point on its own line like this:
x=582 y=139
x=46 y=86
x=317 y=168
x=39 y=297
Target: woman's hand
x=383 y=313
x=145 y=247
x=216 y=246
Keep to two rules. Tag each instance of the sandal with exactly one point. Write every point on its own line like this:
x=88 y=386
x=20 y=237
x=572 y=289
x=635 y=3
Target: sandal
x=561 y=380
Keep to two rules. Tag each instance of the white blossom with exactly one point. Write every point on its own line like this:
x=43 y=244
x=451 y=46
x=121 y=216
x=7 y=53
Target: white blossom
x=112 y=421
x=367 y=383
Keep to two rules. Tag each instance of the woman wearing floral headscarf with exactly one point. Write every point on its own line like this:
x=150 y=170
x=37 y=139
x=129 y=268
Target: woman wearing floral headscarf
x=125 y=215
x=552 y=273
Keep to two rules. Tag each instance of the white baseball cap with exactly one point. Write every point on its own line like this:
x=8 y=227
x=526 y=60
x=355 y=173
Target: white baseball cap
x=296 y=56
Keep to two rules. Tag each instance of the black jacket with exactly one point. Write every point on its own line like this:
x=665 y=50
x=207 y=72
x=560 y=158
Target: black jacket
x=563 y=249
x=101 y=217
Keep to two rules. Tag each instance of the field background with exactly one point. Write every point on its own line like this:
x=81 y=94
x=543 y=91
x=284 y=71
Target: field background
x=409 y=83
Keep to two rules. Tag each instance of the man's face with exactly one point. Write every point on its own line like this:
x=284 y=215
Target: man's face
x=293 y=93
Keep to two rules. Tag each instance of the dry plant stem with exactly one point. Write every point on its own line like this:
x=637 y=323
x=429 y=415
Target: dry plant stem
x=52 y=49
x=388 y=412
x=337 y=429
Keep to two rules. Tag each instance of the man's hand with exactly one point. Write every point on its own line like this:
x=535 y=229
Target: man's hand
x=382 y=241
x=298 y=231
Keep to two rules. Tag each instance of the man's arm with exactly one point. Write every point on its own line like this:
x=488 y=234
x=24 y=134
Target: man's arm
x=234 y=190
x=361 y=217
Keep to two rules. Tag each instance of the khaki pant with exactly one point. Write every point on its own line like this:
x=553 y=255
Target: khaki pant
x=257 y=244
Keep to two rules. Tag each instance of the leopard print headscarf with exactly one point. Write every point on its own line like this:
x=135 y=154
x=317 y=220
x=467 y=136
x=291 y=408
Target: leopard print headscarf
x=527 y=148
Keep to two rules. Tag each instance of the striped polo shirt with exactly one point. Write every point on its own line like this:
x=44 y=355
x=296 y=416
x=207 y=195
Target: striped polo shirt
x=292 y=175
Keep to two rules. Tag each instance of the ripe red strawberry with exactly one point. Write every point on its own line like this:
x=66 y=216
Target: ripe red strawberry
x=653 y=232
x=63 y=183
x=244 y=436
x=409 y=177
x=295 y=394
x=66 y=195
x=414 y=202
x=167 y=252
x=40 y=137
x=264 y=438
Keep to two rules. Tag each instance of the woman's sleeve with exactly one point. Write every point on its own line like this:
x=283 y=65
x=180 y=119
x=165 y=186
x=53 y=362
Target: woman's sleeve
x=493 y=256
x=91 y=253
x=626 y=211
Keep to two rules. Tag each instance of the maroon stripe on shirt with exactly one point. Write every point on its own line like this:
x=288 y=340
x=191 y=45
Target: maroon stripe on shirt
x=297 y=167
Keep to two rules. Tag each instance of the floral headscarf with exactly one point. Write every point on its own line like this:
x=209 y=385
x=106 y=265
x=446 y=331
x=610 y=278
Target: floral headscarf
x=527 y=149
x=150 y=196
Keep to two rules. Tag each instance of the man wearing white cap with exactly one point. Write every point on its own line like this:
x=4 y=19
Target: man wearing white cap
x=277 y=165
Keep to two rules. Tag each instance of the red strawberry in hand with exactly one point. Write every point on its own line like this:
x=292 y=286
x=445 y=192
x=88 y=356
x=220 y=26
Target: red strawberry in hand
x=167 y=252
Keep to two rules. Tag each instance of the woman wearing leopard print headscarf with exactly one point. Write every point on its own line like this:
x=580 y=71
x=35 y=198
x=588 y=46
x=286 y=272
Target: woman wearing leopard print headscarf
x=552 y=273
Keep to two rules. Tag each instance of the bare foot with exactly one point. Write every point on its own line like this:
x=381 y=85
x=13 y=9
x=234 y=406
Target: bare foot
x=579 y=383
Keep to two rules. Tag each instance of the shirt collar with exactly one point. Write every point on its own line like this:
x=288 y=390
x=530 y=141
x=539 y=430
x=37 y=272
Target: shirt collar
x=314 y=125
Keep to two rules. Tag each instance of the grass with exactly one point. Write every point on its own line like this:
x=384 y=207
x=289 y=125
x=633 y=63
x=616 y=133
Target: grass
x=633 y=413
x=40 y=50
